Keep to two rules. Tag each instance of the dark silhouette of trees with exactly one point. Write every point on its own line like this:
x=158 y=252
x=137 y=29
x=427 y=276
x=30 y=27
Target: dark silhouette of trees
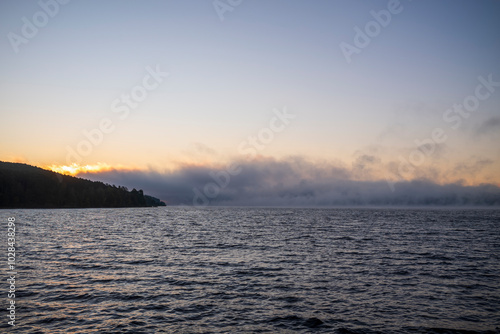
x=25 y=186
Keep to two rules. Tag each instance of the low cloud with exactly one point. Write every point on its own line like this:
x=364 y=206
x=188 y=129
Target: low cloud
x=294 y=182
x=472 y=167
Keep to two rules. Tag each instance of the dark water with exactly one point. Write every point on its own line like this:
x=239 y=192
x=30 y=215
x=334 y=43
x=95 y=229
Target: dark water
x=181 y=270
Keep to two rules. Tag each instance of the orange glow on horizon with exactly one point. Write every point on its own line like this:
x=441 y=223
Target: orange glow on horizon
x=75 y=169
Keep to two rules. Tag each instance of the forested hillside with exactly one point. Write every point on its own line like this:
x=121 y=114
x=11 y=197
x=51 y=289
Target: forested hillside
x=25 y=186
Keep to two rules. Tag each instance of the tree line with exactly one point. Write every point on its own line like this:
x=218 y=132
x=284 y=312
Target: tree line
x=25 y=186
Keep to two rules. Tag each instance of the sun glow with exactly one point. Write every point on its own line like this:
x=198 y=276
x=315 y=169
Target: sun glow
x=75 y=169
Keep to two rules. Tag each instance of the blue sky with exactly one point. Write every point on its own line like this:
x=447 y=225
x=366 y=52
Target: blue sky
x=227 y=76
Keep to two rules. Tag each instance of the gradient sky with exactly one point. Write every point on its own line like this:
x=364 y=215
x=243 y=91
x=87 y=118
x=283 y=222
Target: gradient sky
x=227 y=76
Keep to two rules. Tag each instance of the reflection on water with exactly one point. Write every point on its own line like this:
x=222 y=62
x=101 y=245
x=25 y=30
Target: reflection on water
x=236 y=270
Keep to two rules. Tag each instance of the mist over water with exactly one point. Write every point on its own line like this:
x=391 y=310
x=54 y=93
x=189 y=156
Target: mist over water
x=257 y=270
x=296 y=183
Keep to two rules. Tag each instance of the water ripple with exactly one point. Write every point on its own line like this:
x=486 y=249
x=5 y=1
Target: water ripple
x=236 y=270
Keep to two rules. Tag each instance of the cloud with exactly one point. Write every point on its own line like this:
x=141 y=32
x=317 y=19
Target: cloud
x=201 y=148
x=395 y=130
x=364 y=166
x=491 y=125
x=472 y=167
x=293 y=182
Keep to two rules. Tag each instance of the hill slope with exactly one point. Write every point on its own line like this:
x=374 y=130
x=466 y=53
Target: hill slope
x=25 y=186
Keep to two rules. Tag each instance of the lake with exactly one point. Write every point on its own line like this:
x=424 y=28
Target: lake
x=256 y=270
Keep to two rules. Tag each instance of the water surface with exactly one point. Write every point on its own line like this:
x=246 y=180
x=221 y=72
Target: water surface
x=240 y=270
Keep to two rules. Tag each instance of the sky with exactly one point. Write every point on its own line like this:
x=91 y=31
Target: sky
x=282 y=102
